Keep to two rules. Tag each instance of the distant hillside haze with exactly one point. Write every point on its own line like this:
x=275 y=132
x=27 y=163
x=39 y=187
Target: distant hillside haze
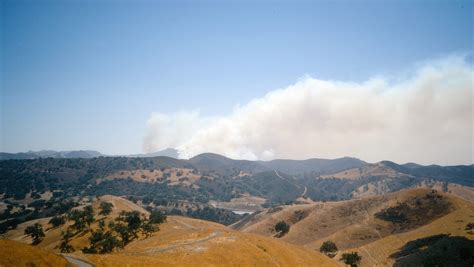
x=294 y=167
x=221 y=164
x=214 y=177
x=169 y=152
x=51 y=154
x=82 y=154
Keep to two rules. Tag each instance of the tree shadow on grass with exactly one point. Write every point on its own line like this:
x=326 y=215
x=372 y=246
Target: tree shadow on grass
x=437 y=250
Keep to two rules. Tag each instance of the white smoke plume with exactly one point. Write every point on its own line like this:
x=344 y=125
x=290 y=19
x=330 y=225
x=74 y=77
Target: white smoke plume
x=426 y=118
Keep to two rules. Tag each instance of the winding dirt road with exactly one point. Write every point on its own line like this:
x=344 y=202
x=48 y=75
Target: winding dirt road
x=76 y=261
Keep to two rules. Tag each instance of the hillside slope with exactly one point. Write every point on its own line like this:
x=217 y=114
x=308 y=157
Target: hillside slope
x=14 y=253
x=190 y=242
x=181 y=241
x=295 y=167
x=356 y=225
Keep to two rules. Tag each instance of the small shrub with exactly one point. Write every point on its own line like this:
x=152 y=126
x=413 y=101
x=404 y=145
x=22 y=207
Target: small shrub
x=329 y=248
x=282 y=228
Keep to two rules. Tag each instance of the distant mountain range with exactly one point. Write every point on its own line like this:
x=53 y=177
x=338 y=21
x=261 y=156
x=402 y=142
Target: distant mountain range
x=83 y=154
x=169 y=152
x=222 y=165
x=50 y=154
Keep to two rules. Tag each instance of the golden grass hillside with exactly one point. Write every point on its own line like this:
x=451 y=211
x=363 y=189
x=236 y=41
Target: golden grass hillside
x=353 y=226
x=190 y=242
x=53 y=235
x=13 y=253
x=377 y=253
x=181 y=241
x=376 y=169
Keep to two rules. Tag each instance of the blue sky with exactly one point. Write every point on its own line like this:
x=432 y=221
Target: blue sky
x=88 y=74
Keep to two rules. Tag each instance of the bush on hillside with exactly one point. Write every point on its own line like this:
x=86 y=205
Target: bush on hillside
x=353 y=259
x=329 y=248
x=282 y=228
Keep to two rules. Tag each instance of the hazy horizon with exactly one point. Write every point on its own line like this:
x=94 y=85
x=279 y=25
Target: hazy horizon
x=259 y=81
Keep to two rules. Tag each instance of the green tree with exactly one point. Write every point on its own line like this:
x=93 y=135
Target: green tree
x=36 y=232
x=76 y=216
x=109 y=243
x=82 y=218
x=353 y=259
x=57 y=221
x=64 y=246
x=101 y=242
x=148 y=229
x=329 y=248
x=88 y=215
x=282 y=228
x=101 y=225
x=105 y=208
x=123 y=231
x=157 y=217
x=134 y=221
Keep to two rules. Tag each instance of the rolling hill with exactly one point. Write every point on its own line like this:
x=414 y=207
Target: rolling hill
x=180 y=241
x=373 y=205
x=361 y=225
x=320 y=166
x=208 y=186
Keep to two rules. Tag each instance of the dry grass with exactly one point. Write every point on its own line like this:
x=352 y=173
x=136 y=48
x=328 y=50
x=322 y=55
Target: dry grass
x=14 y=253
x=377 y=169
x=377 y=253
x=173 y=175
x=184 y=241
x=189 y=242
x=245 y=202
x=352 y=225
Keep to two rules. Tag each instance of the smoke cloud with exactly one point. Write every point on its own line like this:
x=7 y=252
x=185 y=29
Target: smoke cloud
x=425 y=117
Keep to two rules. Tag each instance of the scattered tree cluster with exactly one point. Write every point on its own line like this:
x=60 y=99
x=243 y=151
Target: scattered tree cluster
x=126 y=227
x=105 y=208
x=82 y=218
x=35 y=231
